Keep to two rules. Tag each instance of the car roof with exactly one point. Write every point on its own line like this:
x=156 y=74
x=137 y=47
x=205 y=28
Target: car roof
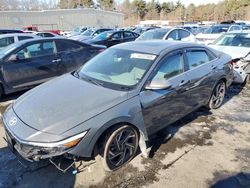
x=16 y=34
x=155 y=47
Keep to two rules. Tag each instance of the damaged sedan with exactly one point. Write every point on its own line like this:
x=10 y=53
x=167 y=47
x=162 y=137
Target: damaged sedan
x=117 y=100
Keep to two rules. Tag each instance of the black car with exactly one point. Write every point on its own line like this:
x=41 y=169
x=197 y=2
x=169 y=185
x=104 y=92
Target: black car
x=7 y=31
x=31 y=62
x=110 y=38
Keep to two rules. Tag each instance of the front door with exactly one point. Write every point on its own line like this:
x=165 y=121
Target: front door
x=34 y=64
x=162 y=107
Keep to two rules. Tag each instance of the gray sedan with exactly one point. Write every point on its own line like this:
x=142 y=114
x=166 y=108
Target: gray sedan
x=116 y=100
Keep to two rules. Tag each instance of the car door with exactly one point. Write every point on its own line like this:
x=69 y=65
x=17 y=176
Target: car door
x=162 y=107
x=71 y=55
x=34 y=63
x=202 y=66
x=128 y=36
x=114 y=39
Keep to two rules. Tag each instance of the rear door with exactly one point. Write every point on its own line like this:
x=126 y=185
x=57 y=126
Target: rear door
x=202 y=65
x=128 y=36
x=71 y=55
x=34 y=64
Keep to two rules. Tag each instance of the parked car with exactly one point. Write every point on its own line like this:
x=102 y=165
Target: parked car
x=129 y=91
x=215 y=31
x=8 y=39
x=110 y=38
x=89 y=34
x=46 y=34
x=141 y=30
x=246 y=27
x=237 y=45
x=31 y=62
x=77 y=31
x=168 y=34
x=7 y=31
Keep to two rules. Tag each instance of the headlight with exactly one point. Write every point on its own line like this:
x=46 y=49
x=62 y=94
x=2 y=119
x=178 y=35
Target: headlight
x=67 y=143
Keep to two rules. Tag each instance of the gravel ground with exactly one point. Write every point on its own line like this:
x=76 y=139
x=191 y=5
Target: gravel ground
x=204 y=149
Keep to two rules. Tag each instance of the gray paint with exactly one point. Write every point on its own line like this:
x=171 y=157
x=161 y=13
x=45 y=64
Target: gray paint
x=67 y=106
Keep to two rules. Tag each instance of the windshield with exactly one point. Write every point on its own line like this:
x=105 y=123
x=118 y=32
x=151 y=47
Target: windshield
x=103 y=36
x=153 y=34
x=241 y=40
x=117 y=67
x=88 y=32
x=216 y=29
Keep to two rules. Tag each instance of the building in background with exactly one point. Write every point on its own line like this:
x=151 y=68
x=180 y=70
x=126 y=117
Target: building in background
x=64 y=19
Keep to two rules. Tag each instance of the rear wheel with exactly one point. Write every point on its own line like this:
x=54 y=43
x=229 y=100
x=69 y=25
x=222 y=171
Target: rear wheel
x=218 y=95
x=120 y=147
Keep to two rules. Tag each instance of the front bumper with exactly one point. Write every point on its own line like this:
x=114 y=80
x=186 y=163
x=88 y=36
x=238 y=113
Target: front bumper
x=31 y=152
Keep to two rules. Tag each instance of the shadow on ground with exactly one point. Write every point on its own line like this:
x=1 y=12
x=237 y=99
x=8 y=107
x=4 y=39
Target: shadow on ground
x=240 y=180
x=16 y=174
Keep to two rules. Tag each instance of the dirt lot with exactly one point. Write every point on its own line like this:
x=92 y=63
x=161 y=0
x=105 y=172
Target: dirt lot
x=204 y=149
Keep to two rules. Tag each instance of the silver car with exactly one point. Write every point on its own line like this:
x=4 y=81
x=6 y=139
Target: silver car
x=116 y=100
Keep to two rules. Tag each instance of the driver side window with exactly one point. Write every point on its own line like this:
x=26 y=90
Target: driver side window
x=171 y=67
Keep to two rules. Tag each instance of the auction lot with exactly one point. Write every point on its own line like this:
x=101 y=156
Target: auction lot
x=204 y=149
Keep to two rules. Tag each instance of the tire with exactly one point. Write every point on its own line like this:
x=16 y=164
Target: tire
x=218 y=95
x=120 y=147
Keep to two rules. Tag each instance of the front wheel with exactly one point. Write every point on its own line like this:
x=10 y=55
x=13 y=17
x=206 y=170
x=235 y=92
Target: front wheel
x=218 y=95
x=120 y=147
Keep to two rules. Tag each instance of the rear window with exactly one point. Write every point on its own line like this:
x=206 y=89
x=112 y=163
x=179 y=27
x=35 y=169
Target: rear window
x=196 y=58
x=64 y=46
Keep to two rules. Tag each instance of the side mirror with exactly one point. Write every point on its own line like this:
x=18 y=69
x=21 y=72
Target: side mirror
x=158 y=84
x=13 y=57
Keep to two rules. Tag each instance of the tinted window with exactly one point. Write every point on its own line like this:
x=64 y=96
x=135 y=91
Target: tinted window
x=184 y=34
x=128 y=35
x=117 y=36
x=48 y=35
x=173 y=35
x=6 y=41
x=196 y=58
x=242 y=40
x=37 y=49
x=172 y=66
x=24 y=38
x=63 y=45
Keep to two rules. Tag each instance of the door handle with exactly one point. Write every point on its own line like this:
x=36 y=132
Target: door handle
x=56 y=60
x=184 y=82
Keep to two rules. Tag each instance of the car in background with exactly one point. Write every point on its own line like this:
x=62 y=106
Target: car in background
x=8 y=31
x=46 y=34
x=116 y=101
x=28 y=63
x=89 y=34
x=8 y=39
x=77 y=31
x=168 y=34
x=246 y=27
x=237 y=45
x=141 y=30
x=215 y=31
x=110 y=38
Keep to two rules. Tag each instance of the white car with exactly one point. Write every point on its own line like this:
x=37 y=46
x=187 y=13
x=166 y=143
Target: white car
x=46 y=34
x=237 y=45
x=8 y=39
x=215 y=31
x=168 y=34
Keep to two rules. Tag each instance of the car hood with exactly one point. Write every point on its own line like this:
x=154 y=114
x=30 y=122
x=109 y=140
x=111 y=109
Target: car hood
x=93 y=41
x=234 y=51
x=63 y=103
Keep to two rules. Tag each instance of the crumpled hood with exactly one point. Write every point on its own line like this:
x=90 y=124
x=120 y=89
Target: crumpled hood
x=63 y=103
x=234 y=51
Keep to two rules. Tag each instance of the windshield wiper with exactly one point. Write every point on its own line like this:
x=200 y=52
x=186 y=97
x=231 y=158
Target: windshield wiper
x=95 y=82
